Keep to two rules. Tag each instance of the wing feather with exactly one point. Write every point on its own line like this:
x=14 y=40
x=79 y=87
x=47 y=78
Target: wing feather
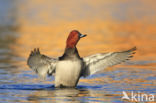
x=100 y=61
x=41 y=64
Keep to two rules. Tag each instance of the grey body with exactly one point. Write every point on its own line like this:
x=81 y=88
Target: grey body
x=68 y=68
x=68 y=73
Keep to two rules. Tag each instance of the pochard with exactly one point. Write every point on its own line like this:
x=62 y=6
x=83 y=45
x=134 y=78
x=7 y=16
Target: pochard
x=69 y=67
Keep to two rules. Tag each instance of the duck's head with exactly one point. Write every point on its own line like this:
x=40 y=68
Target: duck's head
x=73 y=38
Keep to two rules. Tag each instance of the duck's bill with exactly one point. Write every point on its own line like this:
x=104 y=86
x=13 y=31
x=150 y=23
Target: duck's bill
x=82 y=35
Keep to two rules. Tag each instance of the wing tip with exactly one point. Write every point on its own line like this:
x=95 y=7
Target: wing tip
x=35 y=51
x=132 y=49
x=32 y=54
x=131 y=52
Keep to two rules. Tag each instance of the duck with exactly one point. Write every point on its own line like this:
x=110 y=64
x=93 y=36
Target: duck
x=70 y=67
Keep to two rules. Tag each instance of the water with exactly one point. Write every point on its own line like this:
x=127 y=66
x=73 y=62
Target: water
x=46 y=25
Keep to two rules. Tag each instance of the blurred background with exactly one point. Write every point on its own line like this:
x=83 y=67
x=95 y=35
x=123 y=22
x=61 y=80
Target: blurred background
x=111 y=25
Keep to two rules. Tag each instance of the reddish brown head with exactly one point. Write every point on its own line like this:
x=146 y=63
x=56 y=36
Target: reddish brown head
x=73 y=38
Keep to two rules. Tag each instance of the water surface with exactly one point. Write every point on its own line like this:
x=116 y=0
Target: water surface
x=110 y=25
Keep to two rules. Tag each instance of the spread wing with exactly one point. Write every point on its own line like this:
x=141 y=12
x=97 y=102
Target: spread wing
x=41 y=64
x=100 y=61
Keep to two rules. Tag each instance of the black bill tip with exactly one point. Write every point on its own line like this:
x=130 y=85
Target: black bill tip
x=82 y=35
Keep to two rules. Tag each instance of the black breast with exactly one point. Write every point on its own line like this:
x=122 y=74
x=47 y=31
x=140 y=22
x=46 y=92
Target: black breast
x=70 y=54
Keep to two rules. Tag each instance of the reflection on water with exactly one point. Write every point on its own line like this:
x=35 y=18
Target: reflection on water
x=110 y=25
x=42 y=93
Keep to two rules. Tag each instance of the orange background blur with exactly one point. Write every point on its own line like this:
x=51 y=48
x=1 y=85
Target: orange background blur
x=111 y=25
